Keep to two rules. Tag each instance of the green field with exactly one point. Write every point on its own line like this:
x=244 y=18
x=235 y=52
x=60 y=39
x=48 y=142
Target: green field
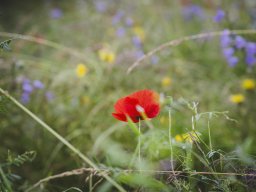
x=65 y=64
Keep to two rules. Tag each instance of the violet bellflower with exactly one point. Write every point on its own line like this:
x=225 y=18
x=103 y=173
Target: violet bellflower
x=220 y=15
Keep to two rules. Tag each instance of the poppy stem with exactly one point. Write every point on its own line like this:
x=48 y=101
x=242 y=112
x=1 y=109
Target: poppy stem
x=139 y=143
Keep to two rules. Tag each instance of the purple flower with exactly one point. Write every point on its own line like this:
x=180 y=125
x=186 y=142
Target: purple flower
x=49 y=96
x=56 y=13
x=232 y=61
x=154 y=59
x=136 y=42
x=250 y=60
x=120 y=32
x=25 y=97
x=250 y=49
x=225 y=39
x=129 y=21
x=139 y=54
x=27 y=87
x=220 y=14
x=38 y=84
x=101 y=6
x=192 y=11
x=117 y=17
x=240 y=42
x=228 y=52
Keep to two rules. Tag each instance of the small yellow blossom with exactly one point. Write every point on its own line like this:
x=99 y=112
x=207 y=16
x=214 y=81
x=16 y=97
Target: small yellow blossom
x=166 y=81
x=107 y=55
x=138 y=31
x=237 y=98
x=179 y=138
x=85 y=100
x=248 y=84
x=190 y=137
x=81 y=70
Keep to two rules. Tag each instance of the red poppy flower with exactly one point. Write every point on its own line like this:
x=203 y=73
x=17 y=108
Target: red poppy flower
x=136 y=104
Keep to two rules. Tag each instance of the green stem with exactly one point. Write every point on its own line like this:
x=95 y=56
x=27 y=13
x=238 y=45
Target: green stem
x=139 y=143
x=61 y=139
x=170 y=138
x=209 y=134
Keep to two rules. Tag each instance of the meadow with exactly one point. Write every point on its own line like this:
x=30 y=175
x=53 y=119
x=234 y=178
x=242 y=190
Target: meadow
x=127 y=96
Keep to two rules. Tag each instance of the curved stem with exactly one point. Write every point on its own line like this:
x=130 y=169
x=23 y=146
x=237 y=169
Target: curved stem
x=177 y=42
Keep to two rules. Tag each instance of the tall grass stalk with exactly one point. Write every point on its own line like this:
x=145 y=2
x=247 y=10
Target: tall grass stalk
x=61 y=139
x=170 y=137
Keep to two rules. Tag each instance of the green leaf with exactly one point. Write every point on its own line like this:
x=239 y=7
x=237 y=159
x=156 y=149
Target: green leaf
x=21 y=159
x=5 y=45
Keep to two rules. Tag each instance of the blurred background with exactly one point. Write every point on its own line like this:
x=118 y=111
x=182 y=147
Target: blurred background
x=71 y=66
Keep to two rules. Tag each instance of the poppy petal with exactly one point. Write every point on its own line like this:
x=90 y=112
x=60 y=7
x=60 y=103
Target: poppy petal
x=119 y=116
x=130 y=108
x=146 y=97
x=152 y=110
x=119 y=106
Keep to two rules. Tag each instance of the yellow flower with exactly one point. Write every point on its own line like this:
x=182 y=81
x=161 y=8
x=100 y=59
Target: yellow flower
x=190 y=137
x=237 y=98
x=85 y=100
x=107 y=55
x=81 y=70
x=138 y=31
x=166 y=81
x=248 y=84
x=179 y=138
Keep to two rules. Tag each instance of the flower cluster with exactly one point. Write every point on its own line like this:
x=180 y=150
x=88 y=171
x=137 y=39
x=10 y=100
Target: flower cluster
x=123 y=25
x=247 y=85
x=232 y=43
x=28 y=87
x=192 y=11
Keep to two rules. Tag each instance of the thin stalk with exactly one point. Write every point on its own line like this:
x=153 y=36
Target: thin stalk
x=176 y=42
x=90 y=183
x=139 y=144
x=170 y=139
x=61 y=139
x=209 y=134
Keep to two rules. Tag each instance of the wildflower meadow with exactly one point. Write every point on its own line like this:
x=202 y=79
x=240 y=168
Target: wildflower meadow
x=128 y=96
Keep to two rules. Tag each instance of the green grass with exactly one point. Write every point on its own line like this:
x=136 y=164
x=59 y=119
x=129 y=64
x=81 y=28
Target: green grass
x=79 y=116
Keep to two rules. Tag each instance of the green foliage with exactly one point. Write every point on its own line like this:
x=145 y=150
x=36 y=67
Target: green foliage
x=5 y=45
x=28 y=156
x=3 y=104
x=187 y=147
